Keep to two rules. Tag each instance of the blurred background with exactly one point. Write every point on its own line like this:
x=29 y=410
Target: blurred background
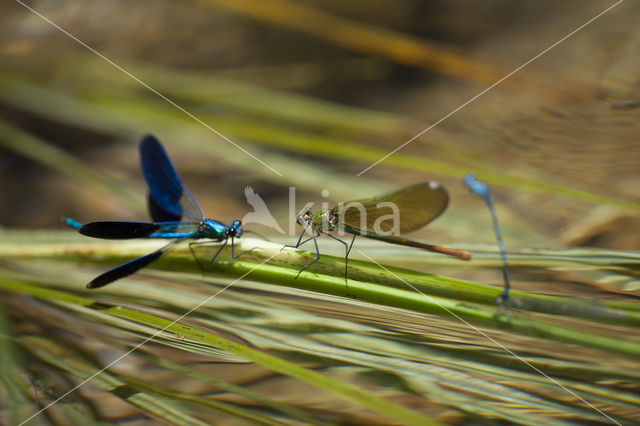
x=319 y=91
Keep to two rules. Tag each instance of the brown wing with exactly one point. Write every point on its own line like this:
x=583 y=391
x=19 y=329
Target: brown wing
x=416 y=205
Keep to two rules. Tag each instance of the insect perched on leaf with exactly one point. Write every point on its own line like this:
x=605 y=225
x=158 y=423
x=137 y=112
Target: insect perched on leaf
x=481 y=189
x=378 y=218
x=169 y=202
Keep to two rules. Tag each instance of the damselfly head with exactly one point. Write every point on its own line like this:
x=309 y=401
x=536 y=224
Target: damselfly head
x=235 y=230
x=304 y=219
x=331 y=218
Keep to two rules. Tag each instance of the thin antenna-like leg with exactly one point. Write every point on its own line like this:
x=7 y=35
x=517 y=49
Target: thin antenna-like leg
x=313 y=236
x=204 y=243
x=347 y=249
x=351 y=245
x=223 y=245
x=215 y=256
x=299 y=243
x=193 y=254
x=233 y=247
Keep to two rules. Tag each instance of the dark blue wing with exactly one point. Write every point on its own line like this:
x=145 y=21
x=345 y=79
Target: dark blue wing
x=169 y=198
x=111 y=230
x=125 y=269
x=119 y=230
x=130 y=267
x=159 y=214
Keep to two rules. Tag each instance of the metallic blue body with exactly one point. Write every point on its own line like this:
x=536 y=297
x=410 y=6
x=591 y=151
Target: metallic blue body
x=169 y=201
x=72 y=223
x=208 y=228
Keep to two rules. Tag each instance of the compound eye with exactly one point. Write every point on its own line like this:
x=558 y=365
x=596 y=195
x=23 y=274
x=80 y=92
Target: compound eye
x=235 y=230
